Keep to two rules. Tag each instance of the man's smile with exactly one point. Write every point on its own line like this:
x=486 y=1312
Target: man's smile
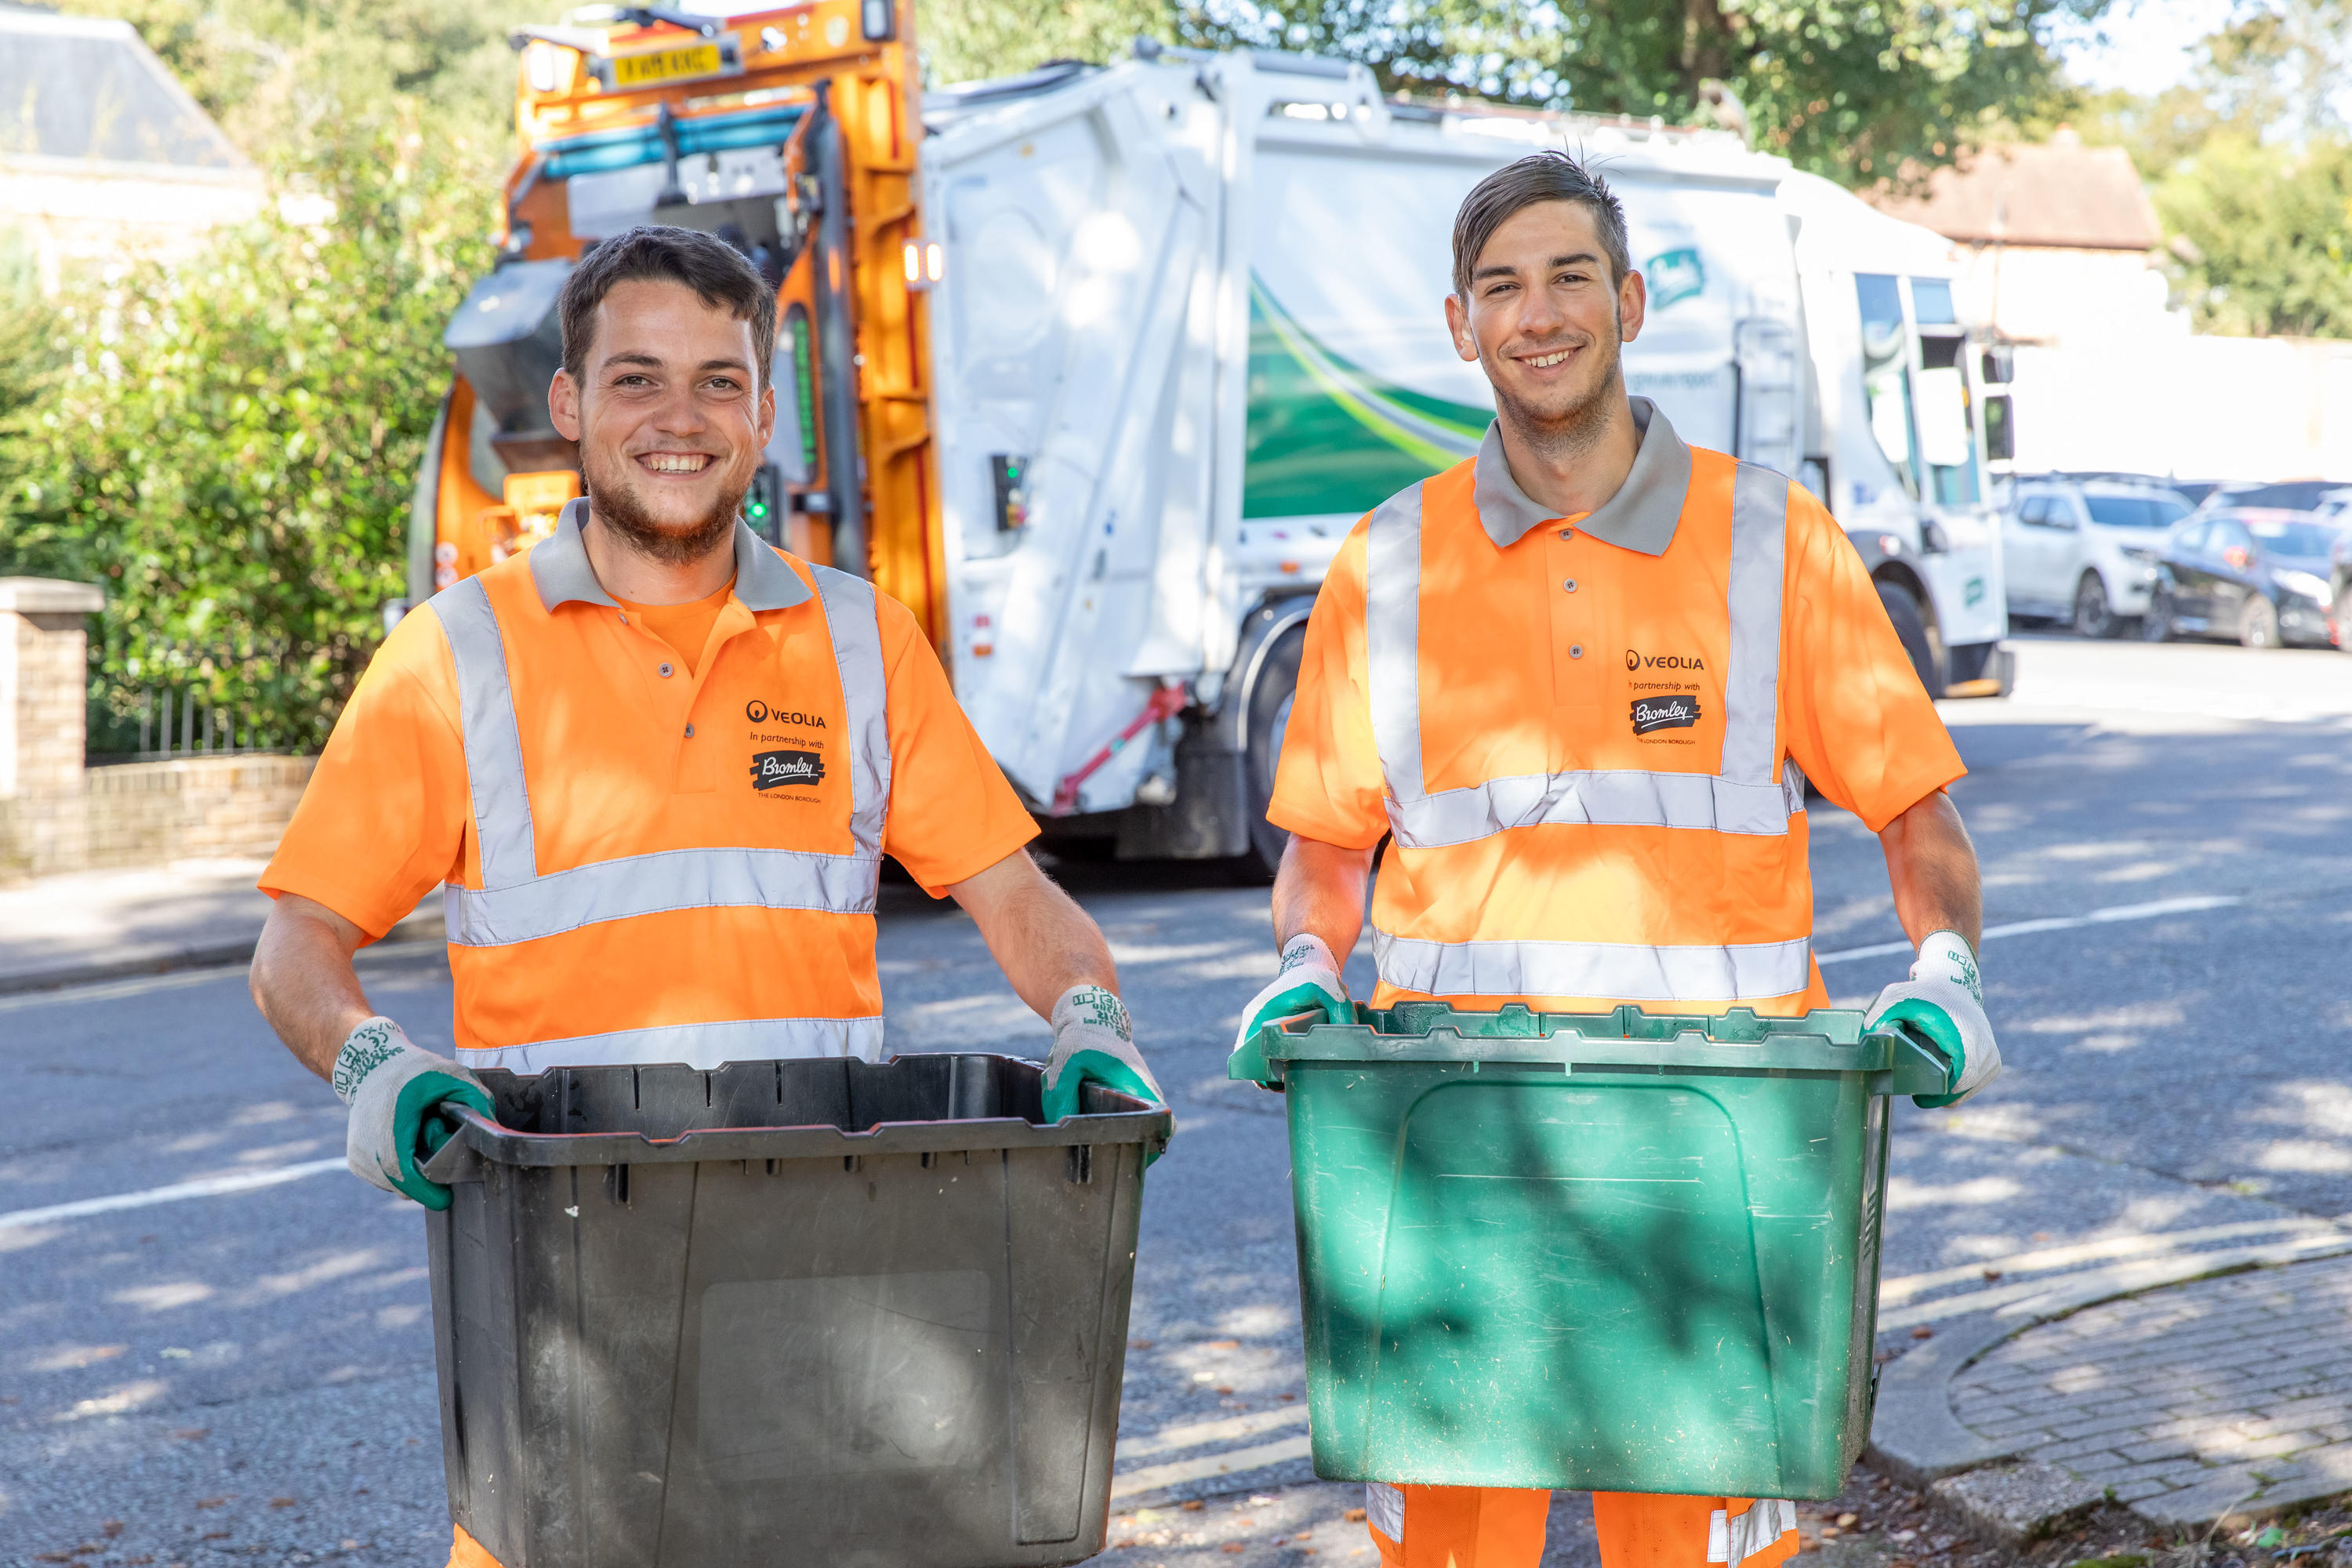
x=675 y=462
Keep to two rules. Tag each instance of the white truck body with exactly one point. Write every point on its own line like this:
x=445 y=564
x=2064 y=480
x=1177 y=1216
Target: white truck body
x=1190 y=327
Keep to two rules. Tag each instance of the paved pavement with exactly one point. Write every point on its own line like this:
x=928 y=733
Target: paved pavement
x=2170 y=894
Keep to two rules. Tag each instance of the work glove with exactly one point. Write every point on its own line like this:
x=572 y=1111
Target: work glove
x=1307 y=982
x=1943 y=1005
x=1092 y=1039
x=396 y=1092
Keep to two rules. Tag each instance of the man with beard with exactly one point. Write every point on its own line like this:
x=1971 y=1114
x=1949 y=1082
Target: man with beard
x=657 y=764
x=1575 y=677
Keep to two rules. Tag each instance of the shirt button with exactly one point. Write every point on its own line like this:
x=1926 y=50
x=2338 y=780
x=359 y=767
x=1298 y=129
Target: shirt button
x=1570 y=585
x=690 y=731
x=1576 y=651
x=622 y=617
x=1568 y=533
x=664 y=669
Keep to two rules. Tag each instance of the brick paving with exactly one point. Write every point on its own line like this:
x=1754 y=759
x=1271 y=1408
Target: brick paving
x=2186 y=1401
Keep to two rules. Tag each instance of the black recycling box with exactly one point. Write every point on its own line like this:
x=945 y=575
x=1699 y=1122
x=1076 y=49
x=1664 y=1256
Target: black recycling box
x=808 y=1311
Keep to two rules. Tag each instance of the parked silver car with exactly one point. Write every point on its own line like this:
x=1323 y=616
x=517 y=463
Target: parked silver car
x=2085 y=551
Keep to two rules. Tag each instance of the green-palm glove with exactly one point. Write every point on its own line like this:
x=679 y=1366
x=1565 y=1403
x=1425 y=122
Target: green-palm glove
x=1307 y=982
x=1093 y=1040
x=1943 y=1003
x=395 y=1092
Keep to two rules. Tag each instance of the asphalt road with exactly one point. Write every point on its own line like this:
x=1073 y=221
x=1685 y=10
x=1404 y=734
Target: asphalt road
x=247 y=1375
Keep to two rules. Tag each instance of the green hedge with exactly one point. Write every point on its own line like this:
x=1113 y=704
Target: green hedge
x=229 y=444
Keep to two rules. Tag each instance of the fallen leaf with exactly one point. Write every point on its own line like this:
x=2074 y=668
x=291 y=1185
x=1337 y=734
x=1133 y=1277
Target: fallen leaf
x=1286 y=1398
x=1922 y=1332
x=1222 y=1345
x=210 y=1501
x=190 y=1433
x=1992 y=1273
x=1354 y=1515
x=1302 y=1535
x=1236 y=1547
x=281 y=1502
x=110 y=1529
x=1139 y=1344
x=1846 y=1520
x=350 y=1545
x=1222 y=1388
x=1192 y=1505
x=53 y=1557
x=215 y=1535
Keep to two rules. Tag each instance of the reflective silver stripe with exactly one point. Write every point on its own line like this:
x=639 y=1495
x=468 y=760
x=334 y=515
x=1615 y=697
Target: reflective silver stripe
x=1745 y=797
x=1607 y=798
x=657 y=884
x=1751 y=686
x=700 y=1045
x=1392 y=640
x=1624 y=972
x=493 y=741
x=1732 y=1540
x=849 y=615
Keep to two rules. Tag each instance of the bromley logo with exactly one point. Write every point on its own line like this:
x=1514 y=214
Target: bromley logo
x=1636 y=660
x=770 y=770
x=759 y=713
x=1677 y=710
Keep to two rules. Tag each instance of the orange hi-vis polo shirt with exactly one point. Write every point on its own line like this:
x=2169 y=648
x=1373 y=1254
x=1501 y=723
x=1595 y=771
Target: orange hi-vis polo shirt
x=649 y=859
x=1589 y=735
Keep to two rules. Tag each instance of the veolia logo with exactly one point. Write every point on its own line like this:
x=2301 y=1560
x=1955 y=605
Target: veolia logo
x=1636 y=660
x=759 y=713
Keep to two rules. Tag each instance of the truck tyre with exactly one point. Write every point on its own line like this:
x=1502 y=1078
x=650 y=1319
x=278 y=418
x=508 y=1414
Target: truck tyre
x=2094 y=616
x=2157 y=624
x=1911 y=627
x=1270 y=715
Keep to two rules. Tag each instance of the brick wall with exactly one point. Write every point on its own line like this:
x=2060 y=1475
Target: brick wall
x=57 y=815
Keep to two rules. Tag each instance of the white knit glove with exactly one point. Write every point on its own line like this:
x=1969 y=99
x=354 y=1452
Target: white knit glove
x=1943 y=1003
x=394 y=1089
x=1307 y=982
x=1093 y=1040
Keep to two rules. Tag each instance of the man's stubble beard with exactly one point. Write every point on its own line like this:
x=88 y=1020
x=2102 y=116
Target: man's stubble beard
x=615 y=505
x=1565 y=437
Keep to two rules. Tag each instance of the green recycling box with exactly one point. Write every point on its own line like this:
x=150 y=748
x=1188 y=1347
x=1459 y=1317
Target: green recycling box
x=1611 y=1252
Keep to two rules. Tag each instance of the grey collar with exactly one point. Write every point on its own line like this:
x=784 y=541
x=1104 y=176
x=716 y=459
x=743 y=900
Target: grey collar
x=1641 y=516
x=559 y=566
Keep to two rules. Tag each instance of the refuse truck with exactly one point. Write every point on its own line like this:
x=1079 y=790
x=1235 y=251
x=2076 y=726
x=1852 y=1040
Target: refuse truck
x=1094 y=368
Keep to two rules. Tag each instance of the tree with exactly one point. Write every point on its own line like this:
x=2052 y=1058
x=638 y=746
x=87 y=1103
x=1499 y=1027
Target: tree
x=1852 y=88
x=2263 y=234
x=969 y=41
x=231 y=445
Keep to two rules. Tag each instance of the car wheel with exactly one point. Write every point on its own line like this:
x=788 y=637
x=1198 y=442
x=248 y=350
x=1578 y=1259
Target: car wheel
x=1911 y=627
x=2157 y=624
x=2093 y=616
x=2258 y=624
x=1269 y=716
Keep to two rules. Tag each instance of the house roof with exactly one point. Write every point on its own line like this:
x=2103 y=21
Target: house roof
x=88 y=89
x=2059 y=193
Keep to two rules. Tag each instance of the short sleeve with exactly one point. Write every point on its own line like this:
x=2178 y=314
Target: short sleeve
x=382 y=819
x=1853 y=713
x=1328 y=785
x=953 y=815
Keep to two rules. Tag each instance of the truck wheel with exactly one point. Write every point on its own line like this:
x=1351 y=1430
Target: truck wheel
x=1911 y=627
x=1269 y=716
x=2157 y=624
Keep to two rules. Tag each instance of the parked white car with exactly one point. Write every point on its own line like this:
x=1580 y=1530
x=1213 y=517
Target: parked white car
x=2085 y=551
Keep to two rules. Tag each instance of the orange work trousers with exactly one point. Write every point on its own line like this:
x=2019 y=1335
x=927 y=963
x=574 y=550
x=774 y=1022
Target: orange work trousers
x=1494 y=1526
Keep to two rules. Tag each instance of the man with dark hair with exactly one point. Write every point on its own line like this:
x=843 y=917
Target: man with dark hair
x=1577 y=677
x=657 y=764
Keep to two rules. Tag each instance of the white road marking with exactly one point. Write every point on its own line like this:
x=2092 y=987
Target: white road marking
x=1169 y=1439
x=1239 y=1459
x=2156 y=910
x=211 y=1186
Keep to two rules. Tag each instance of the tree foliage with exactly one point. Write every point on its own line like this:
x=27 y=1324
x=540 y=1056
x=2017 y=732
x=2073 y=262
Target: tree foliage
x=1851 y=88
x=231 y=446
x=2249 y=163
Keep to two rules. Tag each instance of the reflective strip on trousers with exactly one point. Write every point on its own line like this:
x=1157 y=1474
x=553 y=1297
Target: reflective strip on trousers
x=1748 y=795
x=698 y=1046
x=1622 y=972
x=1732 y=1539
x=515 y=904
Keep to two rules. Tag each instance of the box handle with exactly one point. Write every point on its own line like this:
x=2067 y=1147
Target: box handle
x=1919 y=1066
x=452 y=1158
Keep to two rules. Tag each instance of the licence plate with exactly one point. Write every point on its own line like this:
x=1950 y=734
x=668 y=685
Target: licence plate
x=666 y=65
